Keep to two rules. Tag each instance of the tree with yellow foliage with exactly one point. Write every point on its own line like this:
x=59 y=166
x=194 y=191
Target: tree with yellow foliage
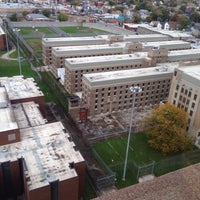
x=166 y=129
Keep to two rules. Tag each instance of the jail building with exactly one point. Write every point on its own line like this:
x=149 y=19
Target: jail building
x=107 y=92
x=59 y=54
x=169 y=45
x=192 y=55
x=76 y=67
x=185 y=94
x=48 y=43
x=20 y=89
x=43 y=165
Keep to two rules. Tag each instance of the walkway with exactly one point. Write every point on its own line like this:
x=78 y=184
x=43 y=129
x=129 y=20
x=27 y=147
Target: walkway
x=6 y=56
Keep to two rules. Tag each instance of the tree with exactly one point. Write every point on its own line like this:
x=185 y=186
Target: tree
x=137 y=19
x=13 y=17
x=183 y=22
x=24 y=13
x=166 y=129
x=46 y=12
x=36 y=11
x=62 y=17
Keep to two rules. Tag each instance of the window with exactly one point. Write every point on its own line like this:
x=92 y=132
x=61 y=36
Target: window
x=193 y=105
x=195 y=97
x=11 y=137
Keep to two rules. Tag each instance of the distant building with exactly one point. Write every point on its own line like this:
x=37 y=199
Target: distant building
x=36 y=17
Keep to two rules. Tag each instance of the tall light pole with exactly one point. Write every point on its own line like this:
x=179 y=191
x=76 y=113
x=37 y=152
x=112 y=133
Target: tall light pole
x=134 y=90
x=16 y=30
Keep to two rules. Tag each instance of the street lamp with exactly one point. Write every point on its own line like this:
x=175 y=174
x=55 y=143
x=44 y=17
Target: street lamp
x=16 y=30
x=134 y=90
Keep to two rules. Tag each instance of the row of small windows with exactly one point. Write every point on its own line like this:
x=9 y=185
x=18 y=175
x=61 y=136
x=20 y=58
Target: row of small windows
x=106 y=69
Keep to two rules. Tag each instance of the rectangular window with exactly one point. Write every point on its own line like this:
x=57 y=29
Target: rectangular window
x=11 y=137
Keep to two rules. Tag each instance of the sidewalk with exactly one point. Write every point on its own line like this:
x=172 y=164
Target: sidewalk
x=6 y=56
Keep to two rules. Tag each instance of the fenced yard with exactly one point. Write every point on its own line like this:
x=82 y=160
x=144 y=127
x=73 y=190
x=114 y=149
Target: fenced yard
x=112 y=153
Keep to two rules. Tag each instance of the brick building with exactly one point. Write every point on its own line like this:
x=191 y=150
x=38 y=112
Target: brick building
x=2 y=39
x=21 y=90
x=110 y=91
x=59 y=54
x=76 y=67
x=48 y=43
x=38 y=160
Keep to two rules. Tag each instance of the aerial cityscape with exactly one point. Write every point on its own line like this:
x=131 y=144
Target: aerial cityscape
x=99 y=100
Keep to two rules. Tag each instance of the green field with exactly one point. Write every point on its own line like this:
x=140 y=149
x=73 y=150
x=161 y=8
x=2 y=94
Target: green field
x=30 y=31
x=82 y=30
x=112 y=152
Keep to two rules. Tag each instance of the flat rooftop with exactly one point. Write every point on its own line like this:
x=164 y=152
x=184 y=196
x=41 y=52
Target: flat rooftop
x=47 y=152
x=145 y=36
x=88 y=49
x=70 y=40
x=132 y=75
x=173 y=34
x=163 y=44
x=3 y=98
x=18 y=87
x=100 y=60
x=7 y=120
x=191 y=74
x=1 y=31
x=184 y=52
x=28 y=114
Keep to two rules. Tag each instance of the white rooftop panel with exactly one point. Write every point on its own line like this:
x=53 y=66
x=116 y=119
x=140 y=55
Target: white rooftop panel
x=3 y=98
x=7 y=120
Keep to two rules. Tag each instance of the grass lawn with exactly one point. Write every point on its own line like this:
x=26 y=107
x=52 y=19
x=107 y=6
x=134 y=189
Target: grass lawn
x=2 y=52
x=14 y=54
x=112 y=152
x=81 y=29
x=30 y=31
x=36 y=45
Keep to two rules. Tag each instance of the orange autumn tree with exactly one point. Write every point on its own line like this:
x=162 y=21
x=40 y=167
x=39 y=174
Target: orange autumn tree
x=166 y=129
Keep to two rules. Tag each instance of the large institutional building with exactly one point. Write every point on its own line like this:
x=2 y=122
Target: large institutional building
x=185 y=94
x=38 y=160
x=48 y=43
x=110 y=91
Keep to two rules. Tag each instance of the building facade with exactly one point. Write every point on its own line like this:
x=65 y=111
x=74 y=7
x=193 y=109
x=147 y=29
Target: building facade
x=185 y=94
x=48 y=43
x=110 y=91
